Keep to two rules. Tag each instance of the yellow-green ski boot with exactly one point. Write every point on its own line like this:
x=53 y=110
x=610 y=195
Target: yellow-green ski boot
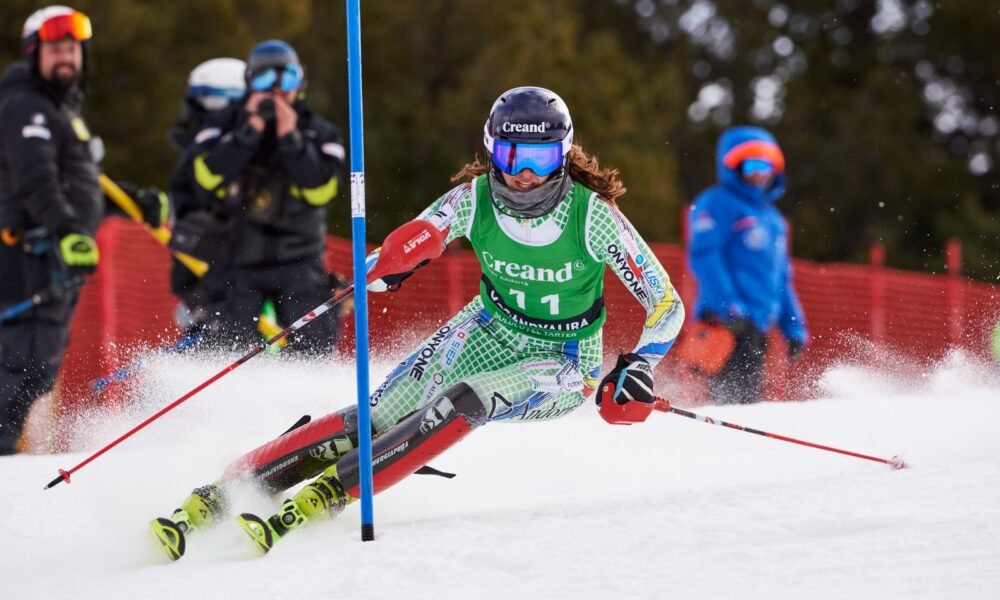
x=203 y=508
x=170 y=533
x=325 y=496
x=266 y=532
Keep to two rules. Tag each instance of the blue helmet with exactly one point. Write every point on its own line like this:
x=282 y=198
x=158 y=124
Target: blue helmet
x=274 y=61
x=271 y=53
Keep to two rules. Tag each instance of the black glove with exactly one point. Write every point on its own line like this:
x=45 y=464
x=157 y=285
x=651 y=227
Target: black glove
x=154 y=204
x=740 y=326
x=630 y=380
x=795 y=349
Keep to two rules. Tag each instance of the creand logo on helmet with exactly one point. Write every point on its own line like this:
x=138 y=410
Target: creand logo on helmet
x=509 y=127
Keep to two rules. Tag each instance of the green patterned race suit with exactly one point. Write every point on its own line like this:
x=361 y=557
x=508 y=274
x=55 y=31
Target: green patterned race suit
x=551 y=287
x=530 y=343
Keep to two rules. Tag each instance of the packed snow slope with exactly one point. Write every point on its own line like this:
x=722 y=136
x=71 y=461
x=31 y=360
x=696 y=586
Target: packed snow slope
x=574 y=508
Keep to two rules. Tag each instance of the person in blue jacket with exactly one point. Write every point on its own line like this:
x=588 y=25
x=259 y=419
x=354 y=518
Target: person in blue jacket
x=738 y=252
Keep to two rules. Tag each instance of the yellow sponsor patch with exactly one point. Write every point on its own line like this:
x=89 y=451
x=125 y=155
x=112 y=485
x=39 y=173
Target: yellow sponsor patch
x=660 y=309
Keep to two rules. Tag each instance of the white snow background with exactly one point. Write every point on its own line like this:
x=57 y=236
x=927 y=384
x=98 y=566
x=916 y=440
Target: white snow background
x=573 y=508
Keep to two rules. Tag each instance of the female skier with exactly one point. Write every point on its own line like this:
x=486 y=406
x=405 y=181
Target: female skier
x=542 y=219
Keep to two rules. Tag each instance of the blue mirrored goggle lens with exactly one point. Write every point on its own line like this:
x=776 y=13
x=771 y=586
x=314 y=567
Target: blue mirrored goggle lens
x=291 y=78
x=757 y=167
x=543 y=159
x=264 y=80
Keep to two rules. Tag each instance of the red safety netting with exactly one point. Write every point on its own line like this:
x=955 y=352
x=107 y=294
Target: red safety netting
x=127 y=308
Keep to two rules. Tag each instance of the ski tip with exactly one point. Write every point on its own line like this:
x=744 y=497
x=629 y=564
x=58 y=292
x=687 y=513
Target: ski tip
x=169 y=537
x=897 y=463
x=258 y=530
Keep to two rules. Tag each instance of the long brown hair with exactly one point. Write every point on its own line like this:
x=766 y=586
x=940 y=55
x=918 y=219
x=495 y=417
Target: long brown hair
x=583 y=167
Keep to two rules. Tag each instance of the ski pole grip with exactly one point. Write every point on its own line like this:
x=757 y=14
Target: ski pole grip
x=405 y=248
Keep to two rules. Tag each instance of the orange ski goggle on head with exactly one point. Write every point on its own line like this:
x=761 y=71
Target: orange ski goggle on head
x=75 y=25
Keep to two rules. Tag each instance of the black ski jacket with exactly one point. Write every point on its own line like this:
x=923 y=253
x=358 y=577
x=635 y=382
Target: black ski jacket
x=48 y=174
x=271 y=195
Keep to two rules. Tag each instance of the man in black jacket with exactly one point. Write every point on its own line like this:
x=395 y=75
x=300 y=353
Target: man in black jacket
x=50 y=206
x=251 y=196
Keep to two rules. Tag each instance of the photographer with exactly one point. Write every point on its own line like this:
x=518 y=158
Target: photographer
x=255 y=185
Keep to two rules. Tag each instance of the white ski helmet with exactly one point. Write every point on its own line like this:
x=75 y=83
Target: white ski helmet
x=51 y=24
x=215 y=83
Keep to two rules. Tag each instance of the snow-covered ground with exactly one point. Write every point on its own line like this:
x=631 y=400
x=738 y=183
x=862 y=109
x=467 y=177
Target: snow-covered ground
x=574 y=508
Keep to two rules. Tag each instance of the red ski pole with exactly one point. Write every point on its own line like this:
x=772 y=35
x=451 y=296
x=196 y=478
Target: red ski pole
x=404 y=250
x=663 y=405
x=299 y=324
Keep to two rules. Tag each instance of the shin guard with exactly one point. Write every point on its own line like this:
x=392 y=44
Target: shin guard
x=300 y=453
x=417 y=439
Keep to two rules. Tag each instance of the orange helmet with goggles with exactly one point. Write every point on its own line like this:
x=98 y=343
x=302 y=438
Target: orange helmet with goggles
x=51 y=24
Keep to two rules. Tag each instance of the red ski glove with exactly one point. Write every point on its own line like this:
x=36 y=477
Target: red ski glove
x=407 y=248
x=626 y=393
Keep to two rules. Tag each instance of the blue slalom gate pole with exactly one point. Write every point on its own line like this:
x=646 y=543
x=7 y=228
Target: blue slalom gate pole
x=360 y=275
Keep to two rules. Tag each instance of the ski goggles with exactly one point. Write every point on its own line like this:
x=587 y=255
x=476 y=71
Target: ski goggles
x=512 y=158
x=762 y=150
x=291 y=76
x=755 y=167
x=214 y=98
x=75 y=25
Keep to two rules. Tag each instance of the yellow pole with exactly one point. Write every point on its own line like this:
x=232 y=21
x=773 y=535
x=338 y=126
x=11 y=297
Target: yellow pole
x=161 y=233
x=267 y=326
